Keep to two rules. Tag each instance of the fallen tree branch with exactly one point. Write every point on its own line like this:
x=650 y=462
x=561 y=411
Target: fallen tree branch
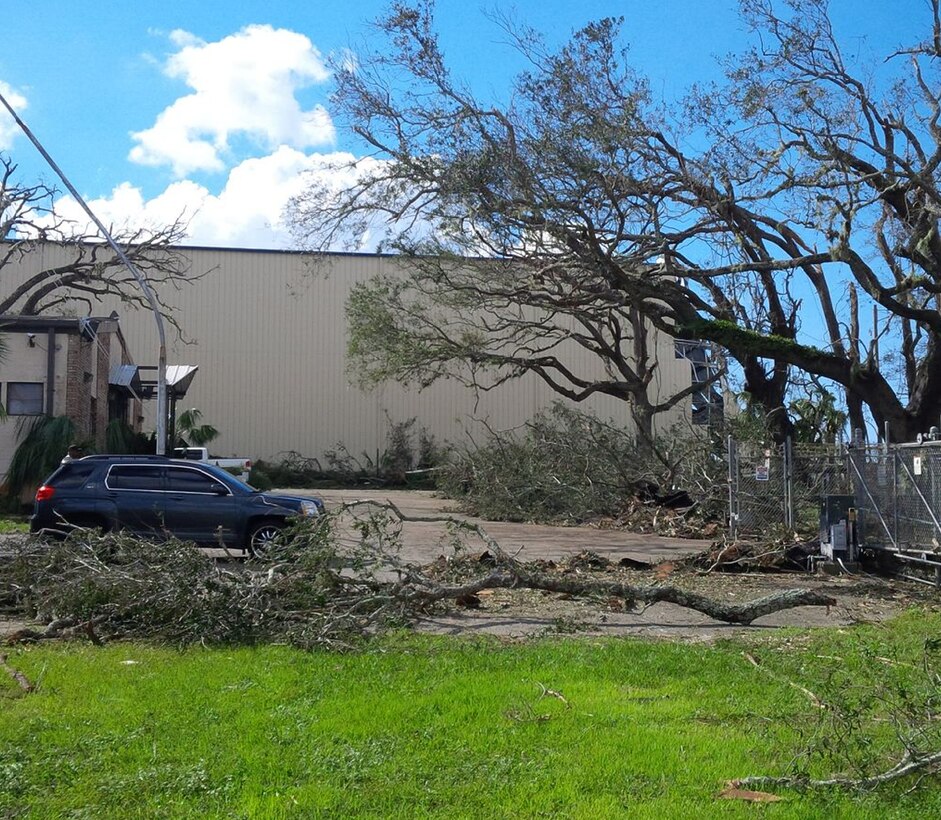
x=54 y=629
x=331 y=582
x=755 y=662
x=390 y=506
x=18 y=676
x=518 y=575
x=511 y=574
x=911 y=763
x=552 y=693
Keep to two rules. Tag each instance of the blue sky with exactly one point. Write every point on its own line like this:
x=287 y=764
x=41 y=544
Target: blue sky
x=213 y=109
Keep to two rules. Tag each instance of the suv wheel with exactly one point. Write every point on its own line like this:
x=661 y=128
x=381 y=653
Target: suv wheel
x=262 y=536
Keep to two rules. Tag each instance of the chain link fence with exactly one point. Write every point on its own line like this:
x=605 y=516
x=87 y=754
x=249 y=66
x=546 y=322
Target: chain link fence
x=897 y=491
x=779 y=487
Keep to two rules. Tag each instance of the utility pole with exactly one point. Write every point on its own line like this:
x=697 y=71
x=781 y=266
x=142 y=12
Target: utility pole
x=148 y=293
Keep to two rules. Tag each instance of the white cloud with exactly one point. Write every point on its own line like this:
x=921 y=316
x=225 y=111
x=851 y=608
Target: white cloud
x=243 y=86
x=126 y=210
x=8 y=127
x=247 y=213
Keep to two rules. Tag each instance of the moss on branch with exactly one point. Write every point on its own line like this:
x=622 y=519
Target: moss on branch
x=741 y=341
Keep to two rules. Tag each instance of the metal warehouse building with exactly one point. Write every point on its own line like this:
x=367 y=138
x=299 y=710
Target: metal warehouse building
x=267 y=332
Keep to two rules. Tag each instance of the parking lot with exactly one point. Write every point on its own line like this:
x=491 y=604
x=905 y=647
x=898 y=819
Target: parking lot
x=422 y=540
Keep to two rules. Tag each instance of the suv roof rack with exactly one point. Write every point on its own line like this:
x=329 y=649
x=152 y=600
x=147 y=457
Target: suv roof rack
x=122 y=457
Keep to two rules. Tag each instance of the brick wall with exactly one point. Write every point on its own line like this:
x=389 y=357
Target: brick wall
x=101 y=384
x=87 y=370
x=78 y=388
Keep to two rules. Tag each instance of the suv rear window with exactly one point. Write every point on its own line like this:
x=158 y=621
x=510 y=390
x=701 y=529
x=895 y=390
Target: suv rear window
x=135 y=477
x=72 y=476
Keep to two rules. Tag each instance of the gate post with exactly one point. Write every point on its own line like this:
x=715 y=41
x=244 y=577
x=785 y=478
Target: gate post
x=733 y=487
x=895 y=493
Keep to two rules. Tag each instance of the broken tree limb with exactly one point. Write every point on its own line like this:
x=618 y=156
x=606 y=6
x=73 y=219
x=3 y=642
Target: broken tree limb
x=510 y=573
x=911 y=763
x=18 y=676
x=330 y=583
x=780 y=678
x=54 y=629
x=520 y=577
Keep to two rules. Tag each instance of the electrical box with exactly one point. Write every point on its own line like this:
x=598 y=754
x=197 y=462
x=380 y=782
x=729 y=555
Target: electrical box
x=836 y=545
x=838 y=527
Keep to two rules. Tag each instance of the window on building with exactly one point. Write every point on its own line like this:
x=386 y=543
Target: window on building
x=707 y=403
x=25 y=399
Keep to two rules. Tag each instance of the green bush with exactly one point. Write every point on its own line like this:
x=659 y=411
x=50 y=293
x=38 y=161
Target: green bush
x=259 y=479
x=120 y=438
x=44 y=440
x=407 y=450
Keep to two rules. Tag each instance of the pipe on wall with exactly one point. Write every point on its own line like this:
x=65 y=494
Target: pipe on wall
x=50 y=371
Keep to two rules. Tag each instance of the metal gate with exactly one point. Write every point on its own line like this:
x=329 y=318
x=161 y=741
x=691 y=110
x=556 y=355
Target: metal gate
x=898 y=494
x=780 y=486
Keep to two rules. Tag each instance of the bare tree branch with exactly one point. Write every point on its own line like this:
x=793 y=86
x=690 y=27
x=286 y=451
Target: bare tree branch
x=92 y=274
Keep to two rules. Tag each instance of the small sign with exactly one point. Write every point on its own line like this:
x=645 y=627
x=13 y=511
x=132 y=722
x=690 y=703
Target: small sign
x=762 y=472
x=917 y=465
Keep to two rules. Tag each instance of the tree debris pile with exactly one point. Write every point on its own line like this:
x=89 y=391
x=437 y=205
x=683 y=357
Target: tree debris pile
x=566 y=466
x=116 y=586
x=784 y=554
x=331 y=582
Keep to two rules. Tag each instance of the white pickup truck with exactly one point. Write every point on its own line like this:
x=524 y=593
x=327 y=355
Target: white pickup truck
x=239 y=467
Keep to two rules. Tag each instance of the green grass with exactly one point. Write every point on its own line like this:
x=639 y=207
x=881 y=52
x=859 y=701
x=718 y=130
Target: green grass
x=13 y=524
x=428 y=727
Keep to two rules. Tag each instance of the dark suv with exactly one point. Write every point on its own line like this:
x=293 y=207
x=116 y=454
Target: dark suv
x=154 y=495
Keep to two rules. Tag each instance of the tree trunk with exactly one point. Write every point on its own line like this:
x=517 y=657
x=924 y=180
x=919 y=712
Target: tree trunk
x=769 y=393
x=515 y=576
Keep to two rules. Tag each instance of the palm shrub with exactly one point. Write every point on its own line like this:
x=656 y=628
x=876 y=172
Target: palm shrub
x=191 y=430
x=120 y=438
x=44 y=440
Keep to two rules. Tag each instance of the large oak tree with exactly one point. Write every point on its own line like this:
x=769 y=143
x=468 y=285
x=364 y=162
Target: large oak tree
x=807 y=186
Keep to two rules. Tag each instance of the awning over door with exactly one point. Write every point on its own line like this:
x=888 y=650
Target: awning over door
x=179 y=379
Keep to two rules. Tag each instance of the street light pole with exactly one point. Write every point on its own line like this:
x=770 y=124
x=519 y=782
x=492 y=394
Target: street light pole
x=148 y=293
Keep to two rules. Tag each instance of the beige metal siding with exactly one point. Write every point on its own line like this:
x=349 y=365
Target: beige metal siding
x=269 y=338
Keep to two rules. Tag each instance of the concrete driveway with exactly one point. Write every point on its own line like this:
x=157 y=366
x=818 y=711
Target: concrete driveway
x=422 y=541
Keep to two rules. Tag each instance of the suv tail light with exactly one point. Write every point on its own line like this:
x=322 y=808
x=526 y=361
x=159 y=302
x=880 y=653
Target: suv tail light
x=45 y=492
x=248 y=464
